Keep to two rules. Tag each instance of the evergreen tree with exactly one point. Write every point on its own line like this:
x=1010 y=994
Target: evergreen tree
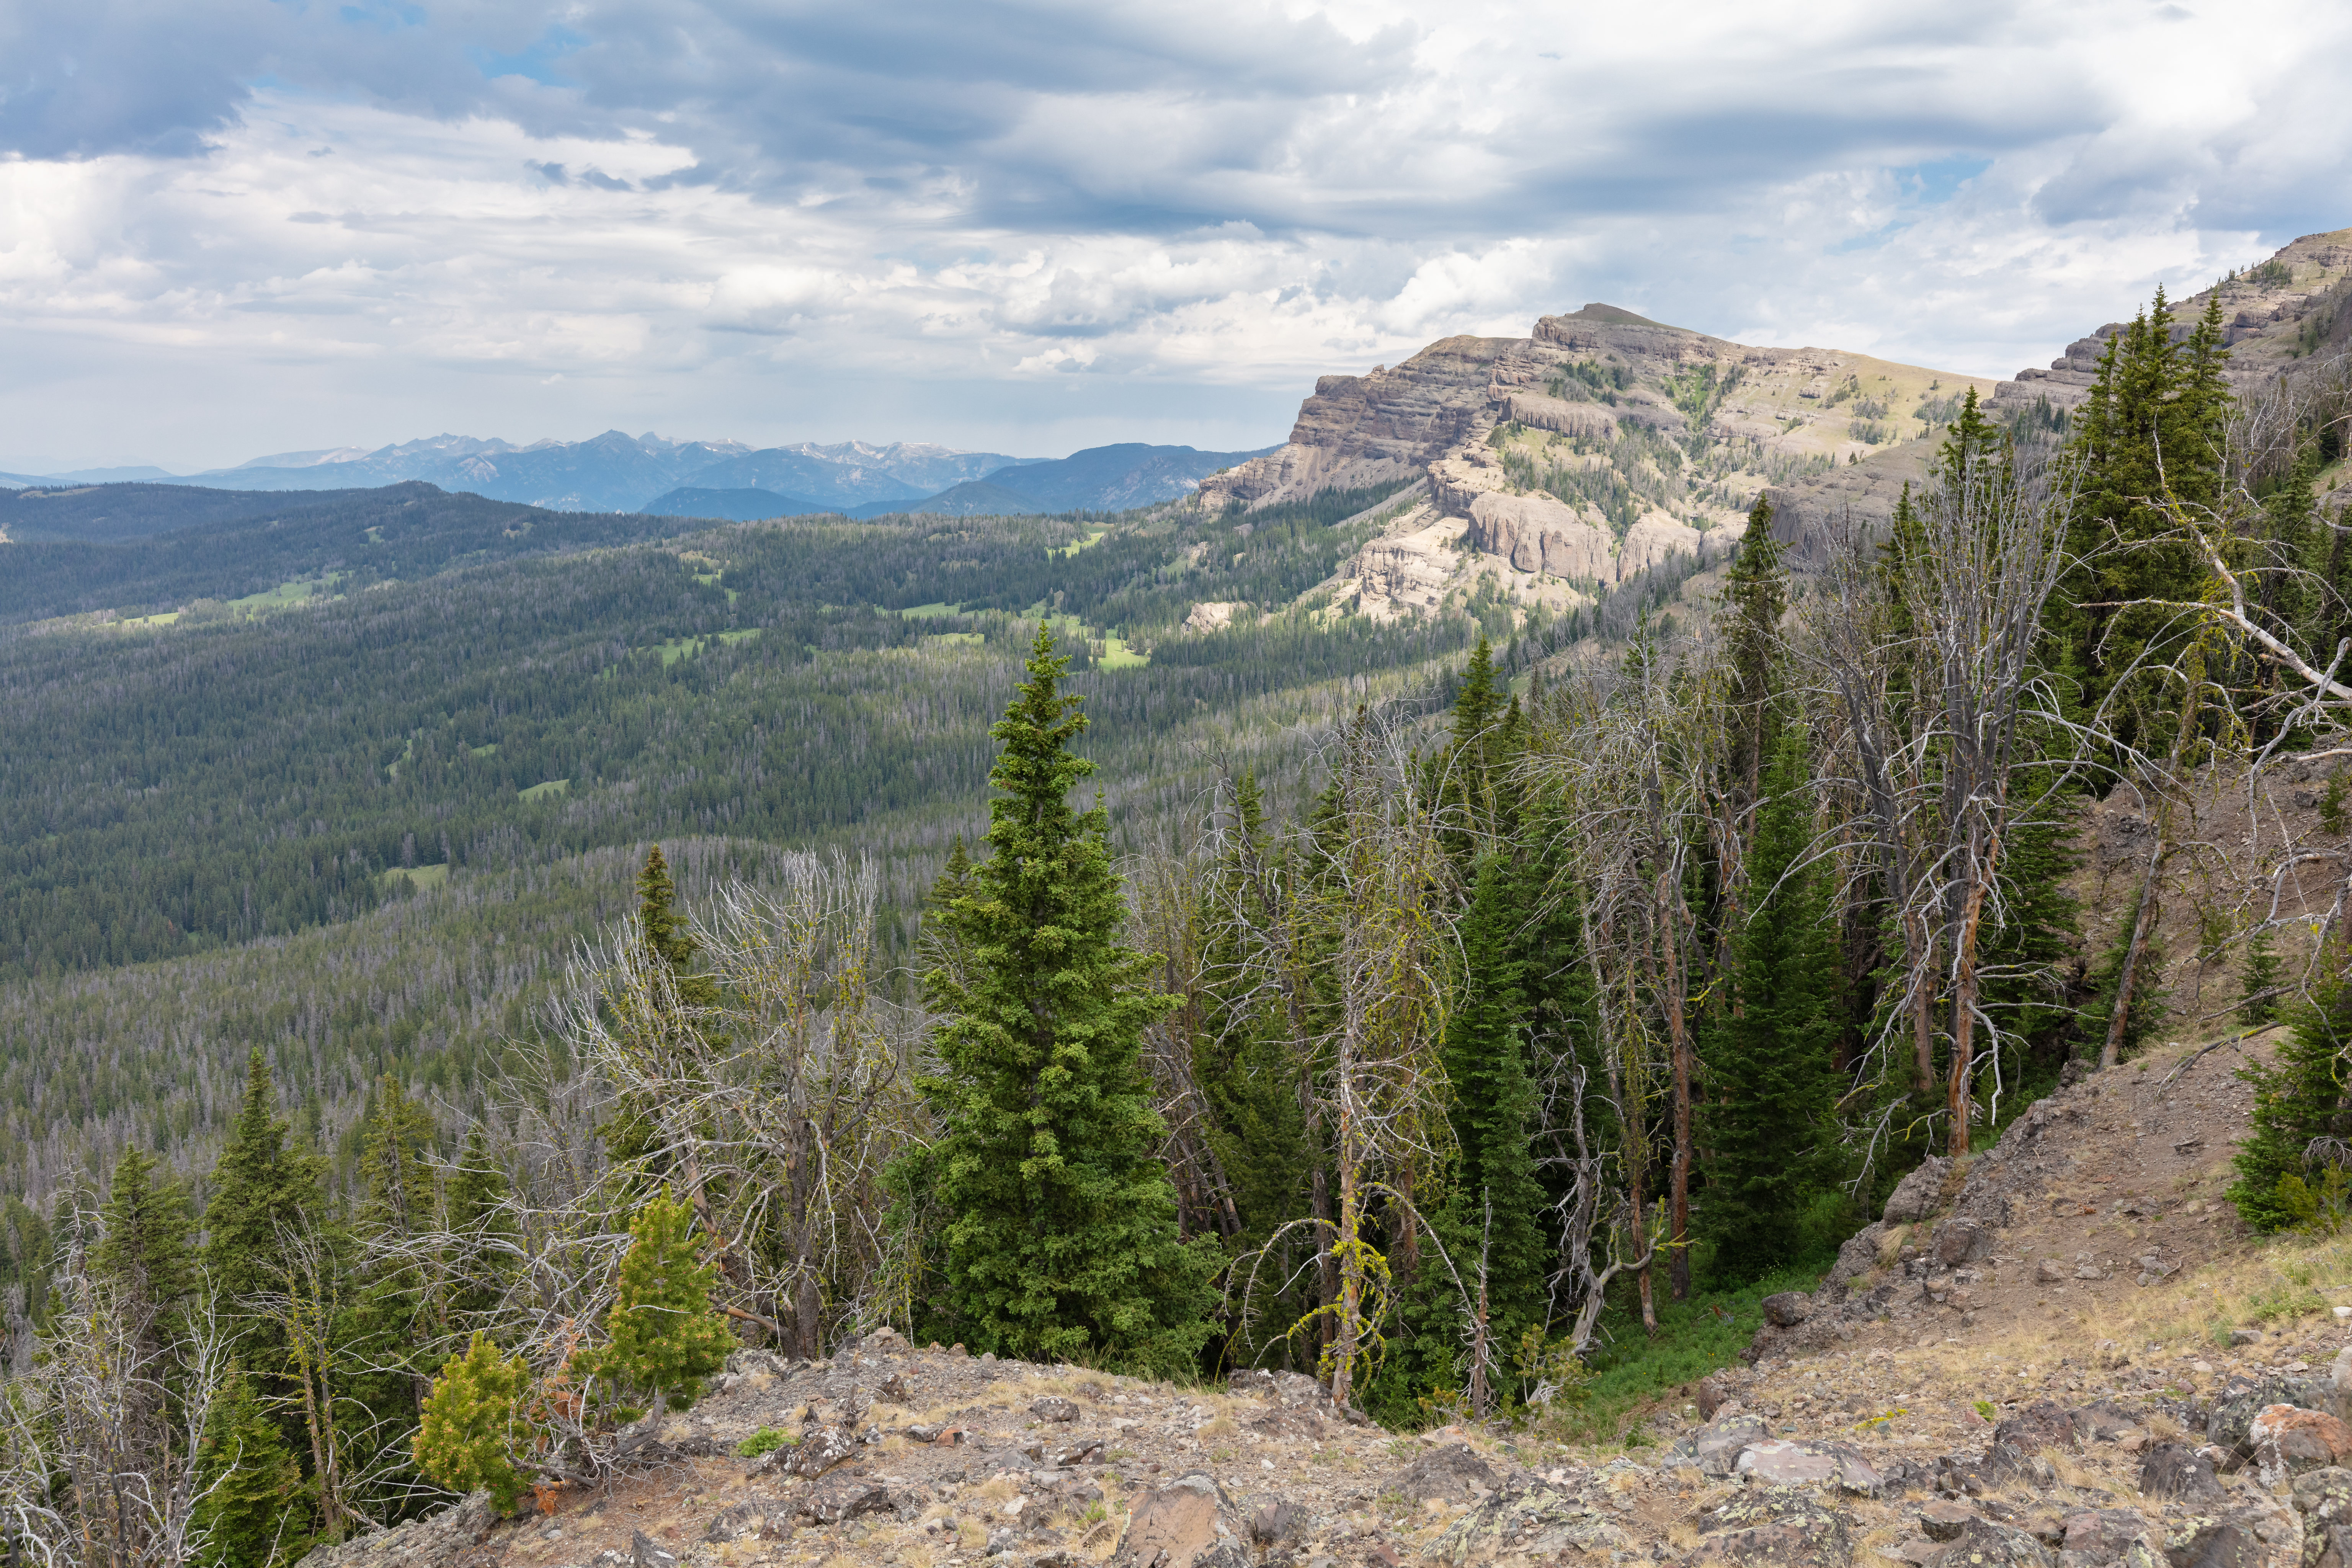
x=664 y=1338
x=2258 y=1006
x=266 y=1187
x=632 y=1134
x=1756 y=593
x=666 y=931
x=391 y=1317
x=254 y=1510
x=401 y=1199
x=467 y=1433
x=2149 y=432
x=1064 y=1241
x=1768 y=1058
x=1465 y=782
x=1490 y=1217
x=2299 y=1096
x=144 y=1251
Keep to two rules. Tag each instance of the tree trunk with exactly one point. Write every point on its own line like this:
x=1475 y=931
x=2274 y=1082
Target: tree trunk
x=1961 y=1099
x=1352 y=1270
x=1923 y=1001
x=1678 y=1181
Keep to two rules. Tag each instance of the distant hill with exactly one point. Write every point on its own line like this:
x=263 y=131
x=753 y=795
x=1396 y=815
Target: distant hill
x=115 y=513
x=611 y=472
x=978 y=498
x=851 y=473
x=139 y=549
x=735 y=506
x=618 y=472
x=1120 y=477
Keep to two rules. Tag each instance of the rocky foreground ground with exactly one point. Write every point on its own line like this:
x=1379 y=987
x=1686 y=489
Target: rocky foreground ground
x=2020 y=1363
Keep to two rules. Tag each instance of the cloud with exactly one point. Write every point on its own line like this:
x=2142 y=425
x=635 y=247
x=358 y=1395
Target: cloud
x=372 y=217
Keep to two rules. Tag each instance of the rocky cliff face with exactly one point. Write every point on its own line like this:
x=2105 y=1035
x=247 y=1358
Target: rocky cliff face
x=1570 y=459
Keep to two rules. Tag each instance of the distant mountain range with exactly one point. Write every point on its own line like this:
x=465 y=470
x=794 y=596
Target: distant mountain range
x=1100 y=478
x=616 y=472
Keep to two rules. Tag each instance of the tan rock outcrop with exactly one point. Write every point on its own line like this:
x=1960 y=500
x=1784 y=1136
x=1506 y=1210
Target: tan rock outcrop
x=1538 y=412
x=1537 y=533
x=1653 y=537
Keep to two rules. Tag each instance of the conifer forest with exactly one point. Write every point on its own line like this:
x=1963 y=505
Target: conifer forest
x=469 y=969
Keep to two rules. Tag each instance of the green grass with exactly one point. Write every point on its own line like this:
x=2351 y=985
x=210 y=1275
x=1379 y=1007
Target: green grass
x=955 y=639
x=420 y=878
x=1096 y=537
x=285 y=594
x=1702 y=1335
x=165 y=619
x=489 y=751
x=928 y=612
x=1116 y=655
x=544 y=791
x=687 y=647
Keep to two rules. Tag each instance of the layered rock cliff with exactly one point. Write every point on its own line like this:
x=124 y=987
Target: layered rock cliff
x=1561 y=464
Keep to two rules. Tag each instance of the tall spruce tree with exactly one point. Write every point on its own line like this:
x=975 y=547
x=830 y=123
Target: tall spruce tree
x=1490 y=1217
x=2149 y=433
x=265 y=1190
x=253 y=1510
x=1756 y=593
x=1064 y=1238
x=144 y=1254
x=1768 y=1057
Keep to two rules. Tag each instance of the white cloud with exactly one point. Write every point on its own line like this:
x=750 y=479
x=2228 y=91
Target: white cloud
x=1031 y=226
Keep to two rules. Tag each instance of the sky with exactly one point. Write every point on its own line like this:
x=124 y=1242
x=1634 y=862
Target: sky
x=230 y=227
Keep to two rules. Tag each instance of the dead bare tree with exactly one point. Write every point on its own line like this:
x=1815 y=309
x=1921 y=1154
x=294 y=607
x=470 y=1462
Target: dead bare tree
x=119 y=1411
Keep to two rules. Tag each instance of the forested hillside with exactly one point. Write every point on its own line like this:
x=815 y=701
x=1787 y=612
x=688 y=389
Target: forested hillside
x=1463 y=1007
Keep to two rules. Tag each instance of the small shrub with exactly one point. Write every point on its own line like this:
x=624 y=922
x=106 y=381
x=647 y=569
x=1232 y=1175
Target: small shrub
x=2331 y=803
x=766 y=1440
x=2321 y=1208
x=468 y=1431
x=1988 y=1409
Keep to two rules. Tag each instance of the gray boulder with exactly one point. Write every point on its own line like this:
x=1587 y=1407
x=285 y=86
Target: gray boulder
x=1453 y=1473
x=1918 y=1195
x=1533 y=1521
x=1788 y=1309
x=438 y=1540
x=1988 y=1543
x=1188 y=1523
x=1859 y=1255
x=2230 y=1426
x=1715 y=1447
x=2178 y=1470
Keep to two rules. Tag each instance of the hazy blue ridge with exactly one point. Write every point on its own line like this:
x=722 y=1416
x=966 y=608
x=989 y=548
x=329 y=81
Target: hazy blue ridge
x=736 y=505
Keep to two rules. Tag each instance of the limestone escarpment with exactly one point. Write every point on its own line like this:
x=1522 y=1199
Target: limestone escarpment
x=1573 y=459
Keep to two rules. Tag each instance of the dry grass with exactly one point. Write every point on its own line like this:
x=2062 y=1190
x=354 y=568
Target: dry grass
x=1682 y=1535
x=1218 y=1426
